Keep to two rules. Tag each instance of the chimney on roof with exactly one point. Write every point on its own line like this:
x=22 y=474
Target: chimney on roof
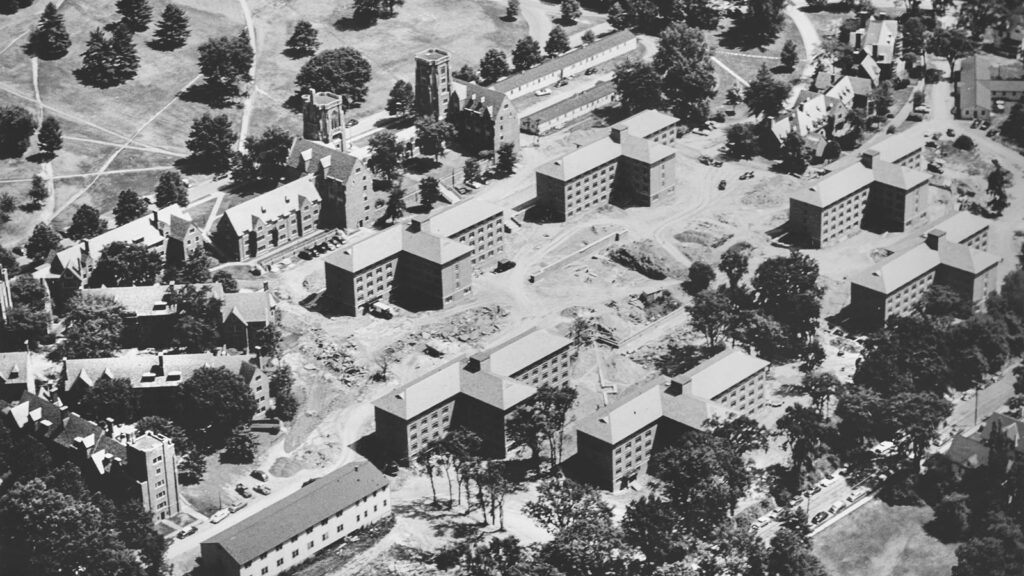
x=160 y=364
x=868 y=158
x=479 y=362
x=415 y=226
x=308 y=96
x=933 y=237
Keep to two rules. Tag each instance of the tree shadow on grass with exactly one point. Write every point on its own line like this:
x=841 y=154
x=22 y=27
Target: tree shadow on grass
x=420 y=165
x=743 y=36
x=40 y=157
x=349 y=24
x=208 y=95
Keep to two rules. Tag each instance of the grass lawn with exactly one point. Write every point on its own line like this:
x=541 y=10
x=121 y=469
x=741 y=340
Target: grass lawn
x=827 y=22
x=465 y=28
x=883 y=540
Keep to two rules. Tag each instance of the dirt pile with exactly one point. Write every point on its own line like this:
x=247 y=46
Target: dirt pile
x=645 y=307
x=647 y=258
x=335 y=357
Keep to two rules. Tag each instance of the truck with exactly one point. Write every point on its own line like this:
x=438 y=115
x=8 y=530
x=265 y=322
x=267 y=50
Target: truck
x=382 y=310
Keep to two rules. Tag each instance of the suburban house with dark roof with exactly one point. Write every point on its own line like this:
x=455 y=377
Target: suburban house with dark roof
x=150 y=316
x=885 y=190
x=155 y=378
x=425 y=264
x=168 y=231
x=479 y=393
x=17 y=375
x=951 y=254
x=269 y=221
x=300 y=525
x=344 y=183
x=971 y=448
x=143 y=468
x=633 y=165
x=882 y=42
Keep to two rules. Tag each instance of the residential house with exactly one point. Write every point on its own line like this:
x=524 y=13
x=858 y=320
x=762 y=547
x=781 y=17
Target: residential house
x=972 y=448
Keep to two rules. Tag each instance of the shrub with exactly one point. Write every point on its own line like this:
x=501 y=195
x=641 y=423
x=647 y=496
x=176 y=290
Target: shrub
x=964 y=142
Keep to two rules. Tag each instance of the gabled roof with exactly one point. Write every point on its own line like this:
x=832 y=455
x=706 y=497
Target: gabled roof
x=554 y=65
x=248 y=307
x=720 y=373
x=501 y=392
x=965 y=258
x=644 y=150
x=310 y=156
x=597 y=92
x=643 y=124
x=145 y=301
x=882 y=33
x=272 y=205
x=898 y=270
x=872 y=69
x=292 y=515
x=836 y=186
x=898 y=146
x=897 y=176
x=433 y=248
x=427 y=390
x=960 y=226
x=451 y=220
x=512 y=355
x=14 y=368
x=143 y=370
x=582 y=160
x=478 y=99
x=371 y=250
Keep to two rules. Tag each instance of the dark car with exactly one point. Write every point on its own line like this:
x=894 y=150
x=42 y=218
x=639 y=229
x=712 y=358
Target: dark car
x=504 y=265
x=950 y=132
x=243 y=490
x=717 y=163
x=819 y=517
x=985 y=125
x=975 y=123
x=262 y=489
x=260 y=475
x=562 y=82
x=590 y=71
x=721 y=185
x=992 y=132
x=351 y=122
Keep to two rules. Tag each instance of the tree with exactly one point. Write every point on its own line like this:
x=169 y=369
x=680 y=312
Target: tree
x=214 y=401
x=367 y=12
x=125 y=54
x=998 y=181
x=588 y=37
x=789 y=57
x=171 y=189
x=432 y=134
x=512 y=9
x=790 y=555
x=197 y=322
x=619 y=17
x=385 y=155
x=744 y=434
x=638 y=85
x=743 y=140
x=794 y=154
x=304 y=41
x=695 y=13
x=109 y=398
x=172 y=31
x=49 y=40
x=882 y=97
x=470 y=170
x=240 y=447
x=225 y=62
x=16 y=128
x=711 y=314
x=821 y=387
x=802 y=429
x=996 y=549
x=126 y=264
x=92 y=327
x=467 y=73
x=688 y=78
x=265 y=157
x=226 y=280
x=951 y=44
x=493 y=65
x=282 y=380
x=558 y=41
x=99 y=62
x=526 y=54
x=167 y=428
x=135 y=14
x=588 y=549
x=196 y=269
x=507 y=158
x=766 y=95
x=400 y=100
x=343 y=71
x=943 y=301
x=86 y=223
x=43 y=240
x=210 y=141
x=7 y=204
x=50 y=138
x=733 y=96
x=561 y=502
x=396 y=202
x=541 y=420
x=764 y=18
x=38 y=192
x=1013 y=127
x=430 y=192
x=570 y=11
x=130 y=206
x=8 y=260
x=700 y=276
x=734 y=265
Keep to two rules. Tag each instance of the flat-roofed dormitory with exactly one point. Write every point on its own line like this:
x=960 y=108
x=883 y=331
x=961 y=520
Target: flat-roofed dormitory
x=300 y=525
x=951 y=254
x=426 y=263
x=885 y=190
x=479 y=392
x=633 y=165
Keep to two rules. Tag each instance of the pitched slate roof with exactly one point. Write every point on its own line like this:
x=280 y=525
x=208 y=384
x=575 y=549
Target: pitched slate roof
x=429 y=389
x=248 y=306
x=14 y=368
x=149 y=300
x=512 y=355
x=453 y=219
x=143 y=370
x=271 y=205
x=310 y=156
x=720 y=373
x=371 y=250
x=478 y=99
x=582 y=160
x=960 y=226
x=433 y=248
x=836 y=186
x=302 y=509
x=963 y=257
x=899 y=269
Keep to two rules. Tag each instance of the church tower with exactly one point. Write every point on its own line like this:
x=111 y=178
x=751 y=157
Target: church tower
x=433 y=82
x=323 y=118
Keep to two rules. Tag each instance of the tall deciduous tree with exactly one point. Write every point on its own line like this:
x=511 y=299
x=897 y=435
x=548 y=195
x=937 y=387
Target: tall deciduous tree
x=638 y=85
x=432 y=134
x=343 y=71
x=396 y=202
x=171 y=189
x=110 y=398
x=430 y=191
x=303 y=41
x=126 y=264
x=210 y=142
x=43 y=240
x=766 y=95
x=561 y=502
x=802 y=429
x=92 y=327
x=711 y=314
x=38 y=192
x=570 y=10
x=172 y=31
x=225 y=62
x=688 y=78
x=493 y=65
x=49 y=40
x=265 y=156
x=952 y=44
x=507 y=158
x=198 y=318
x=86 y=223
x=512 y=9
x=214 y=400
x=385 y=155
x=400 y=99
x=558 y=42
x=526 y=54
x=130 y=206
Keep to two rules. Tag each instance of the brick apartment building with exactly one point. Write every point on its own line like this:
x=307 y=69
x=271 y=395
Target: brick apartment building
x=149 y=316
x=17 y=375
x=479 y=393
x=951 y=254
x=269 y=221
x=155 y=378
x=168 y=231
x=634 y=165
x=731 y=378
x=299 y=526
x=886 y=190
x=142 y=468
x=423 y=264
x=343 y=181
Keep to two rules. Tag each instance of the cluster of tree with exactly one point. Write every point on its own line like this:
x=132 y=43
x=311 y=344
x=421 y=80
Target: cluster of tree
x=109 y=59
x=12 y=6
x=17 y=125
x=225 y=62
x=281 y=383
x=680 y=78
x=303 y=41
x=126 y=264
x=28 y=318
x=652 y=17
x=999 y=179
x=342 y=71
x=265 y=157
x=541 y=421
x=367 y=12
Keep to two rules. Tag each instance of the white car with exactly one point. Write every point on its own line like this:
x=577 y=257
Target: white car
x=701 y=132
x=922 y=109
x=218 y=516
x=543 y=92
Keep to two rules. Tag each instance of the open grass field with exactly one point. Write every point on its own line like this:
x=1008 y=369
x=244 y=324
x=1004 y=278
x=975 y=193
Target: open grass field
x=883 y=540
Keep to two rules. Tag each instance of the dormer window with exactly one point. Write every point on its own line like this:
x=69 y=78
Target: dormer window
x=149 y=377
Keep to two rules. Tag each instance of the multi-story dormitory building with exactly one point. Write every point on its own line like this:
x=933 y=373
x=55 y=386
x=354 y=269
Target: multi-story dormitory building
x=615 y=444
x=168 y=231
x=155 y=378
x=297 y=527
x=479 y=393
x=886 y=190
x=143 y=468
x=951 y=254
x=428 y=263
x=269 y=221
x=634 y=165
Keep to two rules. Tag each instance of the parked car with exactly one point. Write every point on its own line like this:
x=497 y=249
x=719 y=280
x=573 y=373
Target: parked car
x=717 y=163
x=543 y=92
x=381 y=310
x=187 y=531
x=562 y=82
x=950 y=132
x=721 y=184
x=931 y=144
x=237 y=506
x=590 y=71
x=836 y=506
x=992 y=132
x=701 y=132
x=923 y=109
x=504 y=265
x=243 y=490
x=819 y=517
x=975 y=123
x=262 y=489
x=932 y=166
x=219 y=516
x=351 y=122
x=705 y=160
x=985 y=125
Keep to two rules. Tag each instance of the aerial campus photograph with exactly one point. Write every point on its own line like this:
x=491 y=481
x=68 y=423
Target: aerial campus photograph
x=511 y=287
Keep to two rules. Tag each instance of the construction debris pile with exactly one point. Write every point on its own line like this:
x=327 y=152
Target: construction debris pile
x=335 y=357
x=647 y=258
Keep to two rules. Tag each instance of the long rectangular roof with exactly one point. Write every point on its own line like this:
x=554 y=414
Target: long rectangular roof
x=300 y=510
x=375 y=248
x=143 y=370
x=645 y=123
x=898 y=146
x=429 y=389
x=836 y=186
x=644 y=150
x=521 y=350
x=960 y=226
x=149 y=300
x=635 y=410
x=433 y=248
x=582 y=160
x=272 y=205
x=553 y=65
x=453 y=219
x=899 y=269
x=721 y=372
x=593 y=94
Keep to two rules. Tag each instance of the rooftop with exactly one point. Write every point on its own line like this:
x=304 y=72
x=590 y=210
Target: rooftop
x=432 y=54
x=14 y=368
x=148 y=300
x=272 y=205
x=644 y=150
x=960 y=226
x=521 y=350
x=151 y=370
x=899 y=269
x=302 y=509
x=369 y=251
x=433 y=248
x=836 y=186
x=427 y=390
x=597 y=92
x=451 y=220
x=720 y=373
x=643 y=124
x=554 y=65
x=582 y=160
x=898 y=146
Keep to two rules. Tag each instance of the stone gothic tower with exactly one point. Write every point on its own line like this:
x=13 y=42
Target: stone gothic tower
x=433 y=82
x=323 y=118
